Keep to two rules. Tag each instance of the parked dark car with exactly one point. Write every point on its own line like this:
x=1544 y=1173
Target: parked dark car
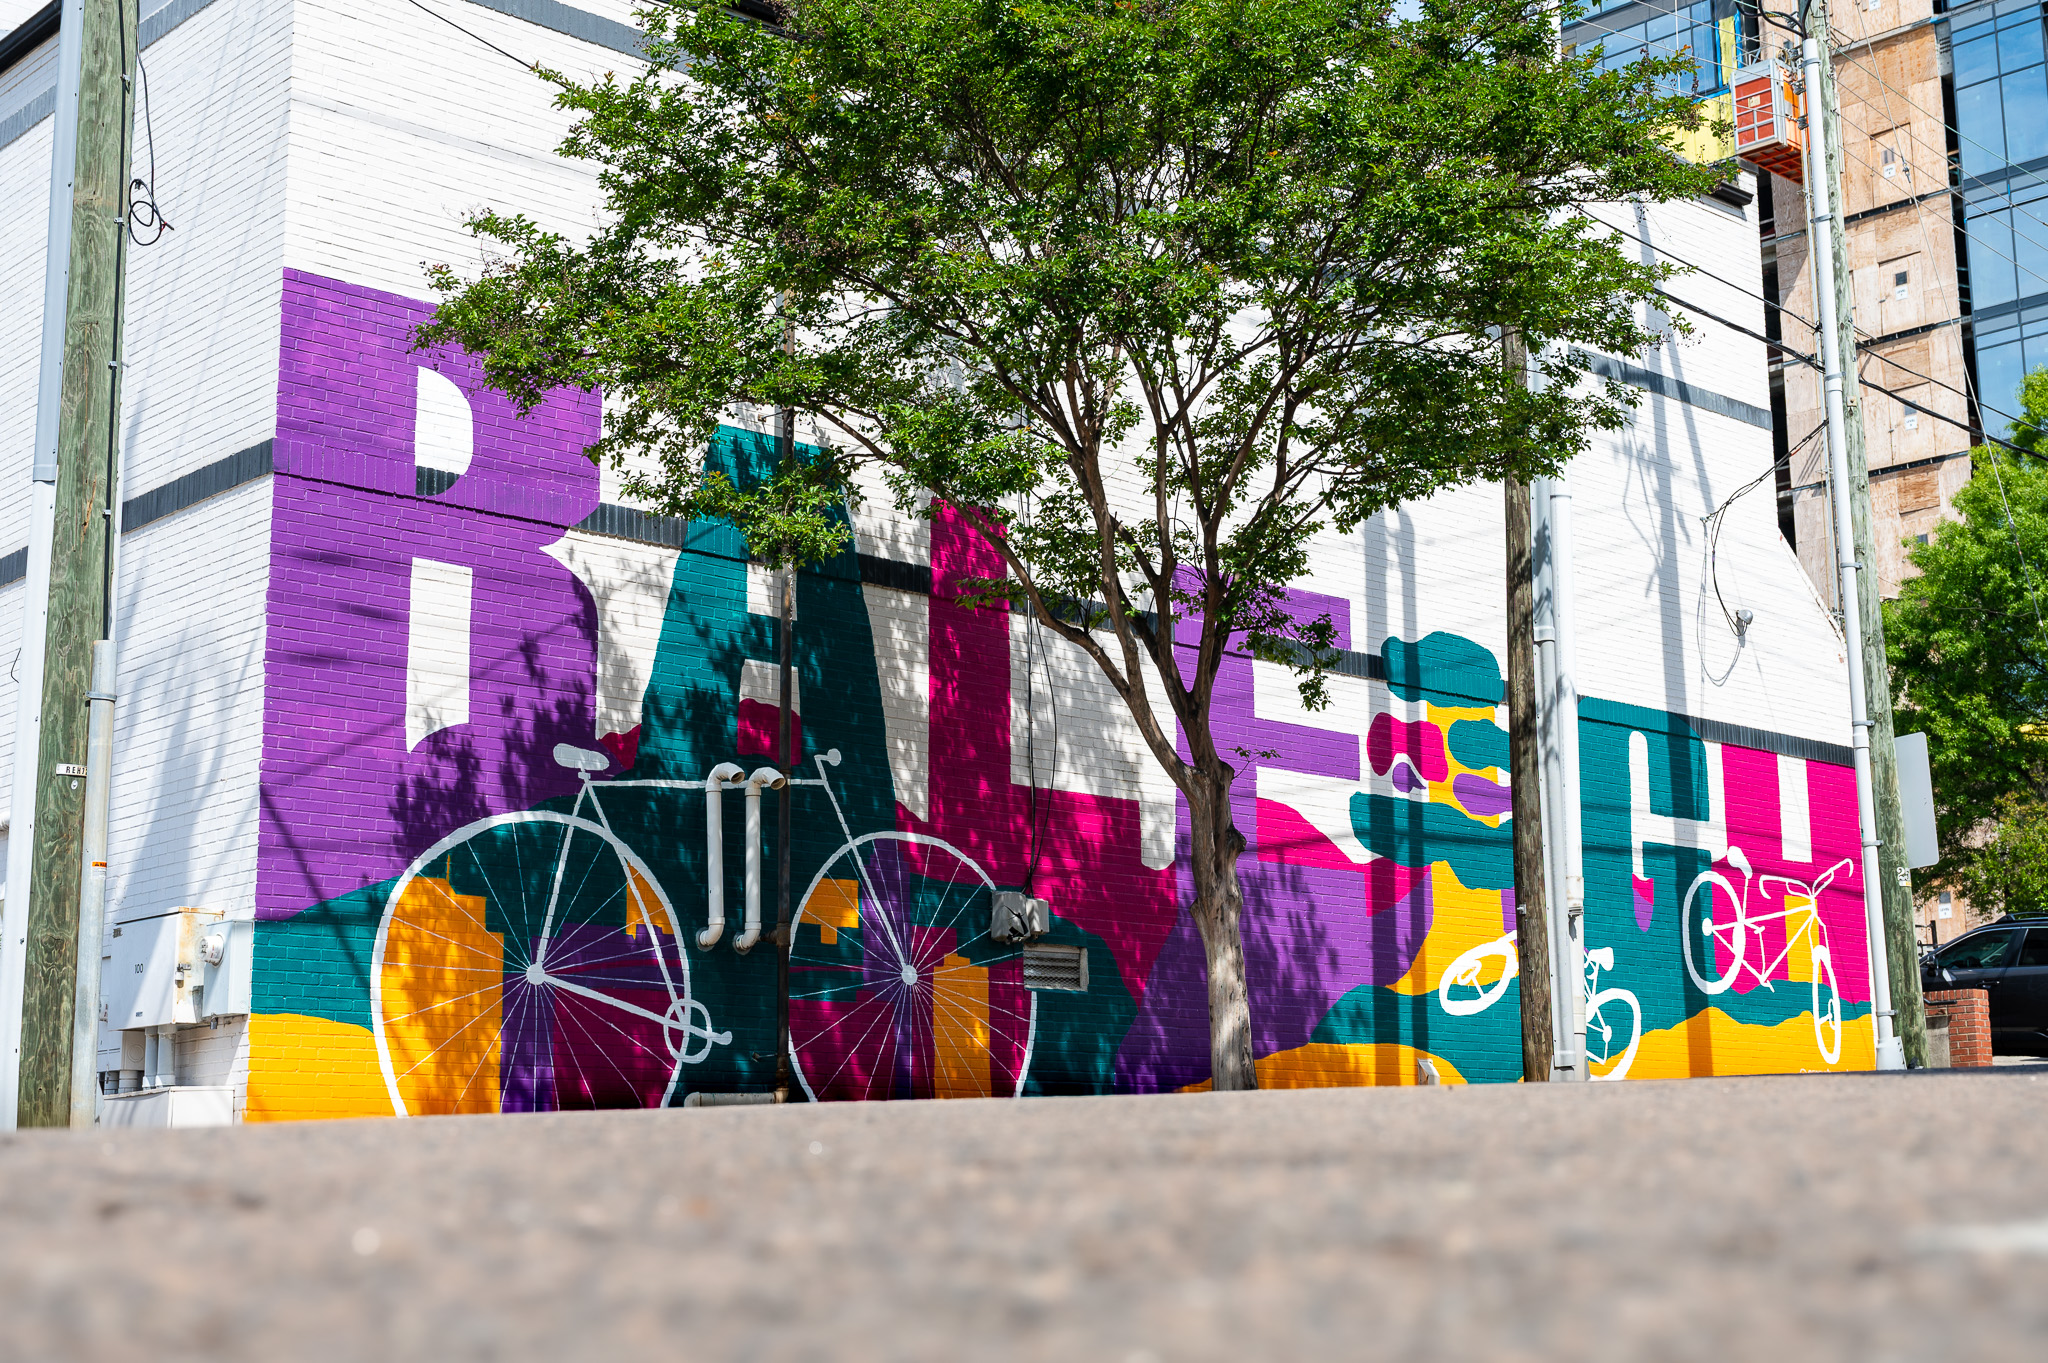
x=2009 y=961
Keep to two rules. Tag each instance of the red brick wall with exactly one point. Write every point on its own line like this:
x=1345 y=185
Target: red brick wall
x=1969 y=1024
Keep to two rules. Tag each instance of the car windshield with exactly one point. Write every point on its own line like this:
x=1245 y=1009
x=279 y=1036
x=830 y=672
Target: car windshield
x=1981 y=951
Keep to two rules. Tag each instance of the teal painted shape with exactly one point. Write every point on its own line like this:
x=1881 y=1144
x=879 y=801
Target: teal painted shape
x=1478 y=744
x=1077 y=1035
x=690 y=723
x=1485 y=1046
x=1416 y=833
x=318 y=962
x=1444 y=669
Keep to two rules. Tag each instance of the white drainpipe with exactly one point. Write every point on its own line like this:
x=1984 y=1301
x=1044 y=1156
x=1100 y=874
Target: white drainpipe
x=1565 y=699
x=714 y=852
x=770 y=778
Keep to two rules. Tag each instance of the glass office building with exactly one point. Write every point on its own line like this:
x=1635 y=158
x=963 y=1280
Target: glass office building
x=2000 y=107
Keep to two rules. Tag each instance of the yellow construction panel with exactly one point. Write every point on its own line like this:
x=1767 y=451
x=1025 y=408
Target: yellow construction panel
x=835 y=904
x=960 y=1030
x=443 y=998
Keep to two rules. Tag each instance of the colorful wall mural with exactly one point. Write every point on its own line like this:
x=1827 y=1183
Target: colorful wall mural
x=484 y=879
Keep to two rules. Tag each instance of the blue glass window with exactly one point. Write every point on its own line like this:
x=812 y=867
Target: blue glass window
x=1976 y=60
x=2019 y=46
x=2000 y=370
x=1688 y=30
x=1981 y=122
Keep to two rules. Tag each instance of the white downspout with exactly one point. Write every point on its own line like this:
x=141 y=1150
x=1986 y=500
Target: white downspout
x=1565 y=710
x=714 y=853
x=771 y=779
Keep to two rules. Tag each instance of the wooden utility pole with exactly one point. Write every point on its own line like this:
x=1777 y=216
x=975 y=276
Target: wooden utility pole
x=1902 y=948
x=81 y=464
x=1525 y=766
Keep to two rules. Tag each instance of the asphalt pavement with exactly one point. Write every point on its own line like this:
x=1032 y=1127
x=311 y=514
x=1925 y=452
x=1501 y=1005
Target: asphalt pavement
x=1875 y=1218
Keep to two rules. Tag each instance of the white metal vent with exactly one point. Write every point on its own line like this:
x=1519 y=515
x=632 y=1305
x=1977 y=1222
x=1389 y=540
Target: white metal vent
x=1056 y=967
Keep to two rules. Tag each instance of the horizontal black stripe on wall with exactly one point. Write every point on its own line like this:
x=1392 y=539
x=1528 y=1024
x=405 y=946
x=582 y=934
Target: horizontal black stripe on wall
x=1678 y=390
x=222 y=475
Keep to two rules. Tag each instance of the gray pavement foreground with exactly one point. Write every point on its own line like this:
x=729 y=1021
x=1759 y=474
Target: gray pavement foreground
x=1867 y=1217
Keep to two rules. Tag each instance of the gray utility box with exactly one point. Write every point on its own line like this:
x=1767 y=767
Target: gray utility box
x=180 y=966
x=1016 y=917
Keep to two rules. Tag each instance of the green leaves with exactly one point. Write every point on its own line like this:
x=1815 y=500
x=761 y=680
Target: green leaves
x=1156 y=290
x=1967 y=641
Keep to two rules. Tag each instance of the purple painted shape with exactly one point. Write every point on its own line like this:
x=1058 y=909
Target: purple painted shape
x=1645 y=900
x=344 y=804
x=1482 y=798
x=1307 y=935
x=526 y=1059
x=1403 y=776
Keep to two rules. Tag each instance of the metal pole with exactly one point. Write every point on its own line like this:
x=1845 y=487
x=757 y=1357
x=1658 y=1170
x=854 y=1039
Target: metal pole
x=1566 y=881
x=786 y=440
x=1824 y=225
x=92 y=901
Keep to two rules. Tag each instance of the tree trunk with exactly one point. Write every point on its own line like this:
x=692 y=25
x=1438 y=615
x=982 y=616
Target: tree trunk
x=1217 y=910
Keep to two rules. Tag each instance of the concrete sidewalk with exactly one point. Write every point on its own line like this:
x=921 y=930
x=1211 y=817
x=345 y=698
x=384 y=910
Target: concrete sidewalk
x=1852 y=1217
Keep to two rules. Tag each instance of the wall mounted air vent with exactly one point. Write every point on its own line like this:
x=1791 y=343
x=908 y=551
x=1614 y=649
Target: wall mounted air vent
x=1056 y=967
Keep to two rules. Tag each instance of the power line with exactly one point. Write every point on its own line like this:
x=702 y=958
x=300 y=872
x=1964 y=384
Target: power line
x=1698 y=269
x=531 y=66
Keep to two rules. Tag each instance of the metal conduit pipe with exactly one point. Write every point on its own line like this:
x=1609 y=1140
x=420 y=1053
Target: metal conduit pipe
x=763 y=778
x=714 y=852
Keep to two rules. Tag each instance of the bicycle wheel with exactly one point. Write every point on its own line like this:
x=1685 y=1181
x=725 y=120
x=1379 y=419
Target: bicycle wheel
x=1702 y=938
x=1605 y=1042
x=530 y=962
x=1463 y=989
x=1827 y=1006
x=896 y=988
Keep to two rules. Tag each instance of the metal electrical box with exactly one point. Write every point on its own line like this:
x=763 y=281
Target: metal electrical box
x=155 y=975
x=226 y=951
x=1016 y=917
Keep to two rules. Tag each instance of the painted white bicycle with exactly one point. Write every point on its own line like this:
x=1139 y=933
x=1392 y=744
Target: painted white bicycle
x=1471 y=983
x=1722 y=947
x=533 y=961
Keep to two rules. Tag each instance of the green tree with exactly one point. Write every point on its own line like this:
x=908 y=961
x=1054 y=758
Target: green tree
x=1967 y=639
x=2009 y=873
x=1150 y=291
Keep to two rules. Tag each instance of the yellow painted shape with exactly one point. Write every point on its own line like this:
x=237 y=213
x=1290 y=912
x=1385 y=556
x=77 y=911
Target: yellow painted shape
x=960 y=1030
x=1460 y=919
x=1331 y=1064
x=640 y=905
x=1710 y=1042
x=1799 y=925
x=1443 y=792
x=443 y=998
x=302 y=1068
x=835 y=904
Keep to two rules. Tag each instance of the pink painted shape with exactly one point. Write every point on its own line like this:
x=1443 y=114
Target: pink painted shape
x=624 y=748
x=760 y=729
x=1419 y=740
x=1750 y=779
x=1088 y=860
x=1287 y=838
x=1646 y=900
